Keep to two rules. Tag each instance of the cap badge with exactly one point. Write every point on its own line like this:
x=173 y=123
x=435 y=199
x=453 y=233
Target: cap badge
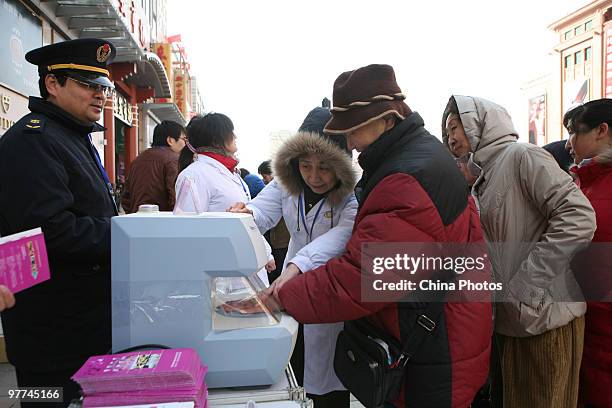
x=103 y=53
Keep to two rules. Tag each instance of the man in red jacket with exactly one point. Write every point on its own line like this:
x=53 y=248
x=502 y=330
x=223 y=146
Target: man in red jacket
x=410 y=191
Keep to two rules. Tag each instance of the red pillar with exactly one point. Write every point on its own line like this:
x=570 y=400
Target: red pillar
x=119 y=71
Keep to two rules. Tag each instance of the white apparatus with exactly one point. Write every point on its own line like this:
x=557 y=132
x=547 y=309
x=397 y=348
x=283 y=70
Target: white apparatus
x=190 y=281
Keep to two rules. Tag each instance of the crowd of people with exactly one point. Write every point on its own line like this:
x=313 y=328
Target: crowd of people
x=546 y=342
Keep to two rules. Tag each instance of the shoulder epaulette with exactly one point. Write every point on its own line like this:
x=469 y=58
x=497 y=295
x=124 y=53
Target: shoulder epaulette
x=34 y=125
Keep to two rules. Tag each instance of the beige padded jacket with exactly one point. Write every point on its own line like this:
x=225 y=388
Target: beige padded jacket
x=534 y=218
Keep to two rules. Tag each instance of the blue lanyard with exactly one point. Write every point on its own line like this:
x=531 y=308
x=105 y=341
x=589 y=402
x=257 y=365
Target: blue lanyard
x=303 y=215
x=243 y=188
x=94 y=152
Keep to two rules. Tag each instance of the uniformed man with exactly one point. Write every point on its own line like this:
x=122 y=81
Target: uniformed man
x=51 y=177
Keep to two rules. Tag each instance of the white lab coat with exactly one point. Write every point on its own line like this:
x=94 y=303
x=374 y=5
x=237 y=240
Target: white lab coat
x=307 y=253
x=206 y=185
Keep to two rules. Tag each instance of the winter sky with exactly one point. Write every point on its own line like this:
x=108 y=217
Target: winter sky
x=266 y=63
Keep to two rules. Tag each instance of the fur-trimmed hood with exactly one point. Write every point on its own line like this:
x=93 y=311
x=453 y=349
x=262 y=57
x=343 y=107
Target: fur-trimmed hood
x=303 y=143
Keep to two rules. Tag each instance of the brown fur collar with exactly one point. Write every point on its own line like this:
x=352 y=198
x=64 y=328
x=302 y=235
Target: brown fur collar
x=304 y=143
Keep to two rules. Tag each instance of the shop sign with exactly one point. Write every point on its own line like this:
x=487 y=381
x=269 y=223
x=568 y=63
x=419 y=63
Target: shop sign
x=180 y=91
x=164 y=52
x=12 y=108
x=122 y=109
x=135 y=20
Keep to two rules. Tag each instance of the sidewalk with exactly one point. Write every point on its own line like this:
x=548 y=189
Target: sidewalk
x=7 y=381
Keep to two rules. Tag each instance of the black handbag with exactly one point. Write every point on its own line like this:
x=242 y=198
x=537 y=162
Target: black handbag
x=371 y=364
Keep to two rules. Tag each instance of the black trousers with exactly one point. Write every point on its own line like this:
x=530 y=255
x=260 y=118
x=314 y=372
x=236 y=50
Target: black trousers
x=334 y=399
x=297 y=358
x=279 y=255
x=62 y=379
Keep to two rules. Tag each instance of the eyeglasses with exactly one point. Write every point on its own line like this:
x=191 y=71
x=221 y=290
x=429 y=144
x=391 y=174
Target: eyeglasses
x=107 y=91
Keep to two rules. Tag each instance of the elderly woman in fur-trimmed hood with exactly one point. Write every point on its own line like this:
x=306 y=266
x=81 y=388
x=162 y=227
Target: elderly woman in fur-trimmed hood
x=313 y=191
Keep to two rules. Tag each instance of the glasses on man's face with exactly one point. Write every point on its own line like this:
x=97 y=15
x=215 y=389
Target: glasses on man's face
x=108 y=92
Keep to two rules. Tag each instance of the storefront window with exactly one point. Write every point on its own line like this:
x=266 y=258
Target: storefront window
x=21 y=32
x=578 y=57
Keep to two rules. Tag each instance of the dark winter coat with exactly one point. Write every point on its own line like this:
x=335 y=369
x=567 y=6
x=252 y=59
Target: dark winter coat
x=411 y=191
x=151 y=180
x=49 y=178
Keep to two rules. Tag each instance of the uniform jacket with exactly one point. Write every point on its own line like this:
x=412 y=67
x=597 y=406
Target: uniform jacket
x=410 y=191
x=316 y=237
x=49 y=178
x=534 y=219
x=151 y=180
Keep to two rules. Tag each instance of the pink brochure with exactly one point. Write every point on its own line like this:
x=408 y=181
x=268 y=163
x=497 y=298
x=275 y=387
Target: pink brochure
x=140 y=370
x=189 y=404
x=23 y=260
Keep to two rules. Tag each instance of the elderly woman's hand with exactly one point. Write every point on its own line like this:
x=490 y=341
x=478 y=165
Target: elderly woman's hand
x=7 y=300
x=267 y=297
x=239 y=208
x=290 y=272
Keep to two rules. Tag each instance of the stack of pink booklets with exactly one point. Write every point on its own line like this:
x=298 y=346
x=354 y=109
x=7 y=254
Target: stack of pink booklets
x=143 y=377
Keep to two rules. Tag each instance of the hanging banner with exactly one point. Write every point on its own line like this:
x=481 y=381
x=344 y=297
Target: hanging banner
x=180 y=91
x=576 y=93
x=164 y=52
x=537 y=120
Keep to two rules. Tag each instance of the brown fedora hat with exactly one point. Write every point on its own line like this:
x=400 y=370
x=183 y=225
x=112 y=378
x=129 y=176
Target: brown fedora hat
x=364 y=95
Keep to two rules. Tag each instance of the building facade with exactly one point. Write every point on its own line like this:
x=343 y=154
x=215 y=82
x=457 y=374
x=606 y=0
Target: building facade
x=584 y=59
x=581 y=70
